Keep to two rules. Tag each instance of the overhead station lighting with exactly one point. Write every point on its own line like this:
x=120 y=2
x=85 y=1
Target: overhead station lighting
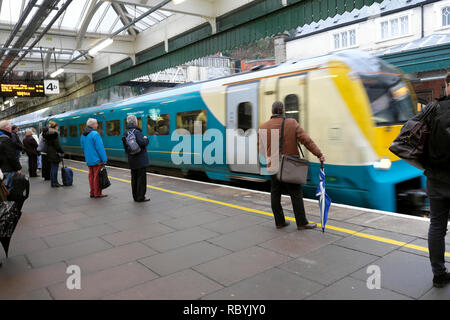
x=175 y=2
x=57 y=73
x=102 y=45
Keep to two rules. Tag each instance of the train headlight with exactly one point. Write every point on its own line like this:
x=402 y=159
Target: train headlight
x=382 y=164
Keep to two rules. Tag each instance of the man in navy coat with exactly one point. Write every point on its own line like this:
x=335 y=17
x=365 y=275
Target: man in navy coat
x=138 y=161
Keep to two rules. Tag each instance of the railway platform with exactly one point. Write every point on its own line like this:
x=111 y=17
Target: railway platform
x=197 y=240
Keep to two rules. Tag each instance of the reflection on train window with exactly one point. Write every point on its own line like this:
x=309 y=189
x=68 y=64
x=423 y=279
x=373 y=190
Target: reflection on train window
x=100 y=128
x=82 y=127
x=73 y=131
x=139 y=119
x=63 y=131
x=158 y=127
x=291 y=104
x=113 y=128
x=186 y=120
x=244 y=116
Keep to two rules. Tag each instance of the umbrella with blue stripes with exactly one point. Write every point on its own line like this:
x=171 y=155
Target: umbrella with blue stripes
x=324 y=199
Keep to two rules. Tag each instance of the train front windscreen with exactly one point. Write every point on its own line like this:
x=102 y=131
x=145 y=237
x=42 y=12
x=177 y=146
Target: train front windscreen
x=389 y=97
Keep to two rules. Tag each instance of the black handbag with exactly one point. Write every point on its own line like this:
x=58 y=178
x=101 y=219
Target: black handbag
x=103 y=179
x=293 y=169
x=410 y=143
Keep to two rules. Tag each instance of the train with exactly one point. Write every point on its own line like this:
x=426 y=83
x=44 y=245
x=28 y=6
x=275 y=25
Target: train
x=351 y=103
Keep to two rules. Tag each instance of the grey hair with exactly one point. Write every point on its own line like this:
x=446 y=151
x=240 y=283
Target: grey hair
x=91 y=121
x=28 y=132
x=131 y=119
x=5 y=124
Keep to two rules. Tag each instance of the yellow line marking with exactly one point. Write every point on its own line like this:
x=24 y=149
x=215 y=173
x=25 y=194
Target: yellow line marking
x=343 y=230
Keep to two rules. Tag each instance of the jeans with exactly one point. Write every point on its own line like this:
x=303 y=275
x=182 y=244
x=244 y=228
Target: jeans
x=295 y=191
x=439 y=211
x=39 y=162
x=54 y=173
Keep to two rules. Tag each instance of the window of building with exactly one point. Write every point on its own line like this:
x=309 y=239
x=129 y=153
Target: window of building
x=344 y=39
x=139 y=119
x=186 y=120
x=113 y=128
x=63 y=131
x=73 y=131
x=446 y=16
x=158 y=127
x=395 y=27
x=291 y=104
x=82 y=127
x=245 y=116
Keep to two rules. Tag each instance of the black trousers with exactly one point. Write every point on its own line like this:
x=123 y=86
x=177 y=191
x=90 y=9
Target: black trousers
x=296 y=194
x=45 y=167
x=32 y=165
x=138 y=183
x=439 y=213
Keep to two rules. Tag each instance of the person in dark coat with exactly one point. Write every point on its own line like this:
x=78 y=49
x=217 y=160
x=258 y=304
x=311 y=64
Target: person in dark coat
x=437 y=170
x=54 y=152
x=8 y=158
x=15 y=138
x=30 y=145
x=44 y=158
x=138 y=162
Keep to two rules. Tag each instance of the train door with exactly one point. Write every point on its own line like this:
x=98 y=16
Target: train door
x=242 y=128
x=292 y=92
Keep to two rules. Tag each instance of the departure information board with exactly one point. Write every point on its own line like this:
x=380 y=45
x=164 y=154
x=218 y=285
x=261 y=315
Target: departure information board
x=21 y=90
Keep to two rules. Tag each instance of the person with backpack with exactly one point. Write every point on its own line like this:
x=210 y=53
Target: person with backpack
x=135 y=145
x=437 y=171
x=95 y=156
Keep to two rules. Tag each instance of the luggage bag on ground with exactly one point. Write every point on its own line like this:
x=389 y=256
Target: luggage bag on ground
x=67 y=175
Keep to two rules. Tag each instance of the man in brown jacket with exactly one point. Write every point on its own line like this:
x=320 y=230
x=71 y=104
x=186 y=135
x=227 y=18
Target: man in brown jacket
x=292 y=133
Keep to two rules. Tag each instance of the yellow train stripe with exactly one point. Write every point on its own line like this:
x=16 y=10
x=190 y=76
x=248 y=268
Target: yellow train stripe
x=343 y=230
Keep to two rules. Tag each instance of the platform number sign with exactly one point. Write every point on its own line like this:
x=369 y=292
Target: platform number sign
x=51 y=86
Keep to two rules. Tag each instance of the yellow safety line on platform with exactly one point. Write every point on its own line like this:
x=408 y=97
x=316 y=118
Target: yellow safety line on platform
x=343 y=230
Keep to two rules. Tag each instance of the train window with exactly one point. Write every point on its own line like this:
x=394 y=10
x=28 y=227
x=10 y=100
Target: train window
x=113 y=128
x=245 y=116
x=100 y=128
x=73 y=131
x=186 y=120
x=82 y=127
x=63 y=131
x=291 y=105
x=158 y=127
x=139 y=119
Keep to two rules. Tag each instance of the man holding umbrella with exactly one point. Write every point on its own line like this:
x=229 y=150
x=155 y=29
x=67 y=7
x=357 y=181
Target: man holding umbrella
x=292 y=133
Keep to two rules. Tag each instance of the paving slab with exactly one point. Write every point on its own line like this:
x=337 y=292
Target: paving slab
x=193 y=219
x=180 y=238
x=183 y=285
x=273 y=284
x=403 y=272
x=106 y=282
x=424 y=244
x=299 y=243
x=240 y=265
x=328 y=264
x=352 y=289
x=234 y=223
x=183 y=258
x=137 y=234
x=78 y=235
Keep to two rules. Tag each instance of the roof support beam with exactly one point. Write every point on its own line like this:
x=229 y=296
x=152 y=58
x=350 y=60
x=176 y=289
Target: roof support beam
x=95 y=5
x=120 y=10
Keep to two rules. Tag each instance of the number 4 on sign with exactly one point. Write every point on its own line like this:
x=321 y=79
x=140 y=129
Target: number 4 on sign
x=51 y=86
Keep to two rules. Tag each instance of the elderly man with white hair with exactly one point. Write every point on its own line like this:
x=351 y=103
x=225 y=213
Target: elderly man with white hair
x=9 y=162
x=135 y=144
x=94 y=154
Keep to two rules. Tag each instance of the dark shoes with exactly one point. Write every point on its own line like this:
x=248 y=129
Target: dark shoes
x=284 y=225
x=56 y=185
x=441 y=281
x=101 y=196
x=143 y=200
x=307 y=226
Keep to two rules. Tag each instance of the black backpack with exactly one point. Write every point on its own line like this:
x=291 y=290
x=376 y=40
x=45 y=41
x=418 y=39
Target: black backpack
x=20 y=189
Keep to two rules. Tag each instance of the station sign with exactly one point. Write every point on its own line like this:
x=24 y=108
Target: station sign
x=51 y=86
x=18 y=89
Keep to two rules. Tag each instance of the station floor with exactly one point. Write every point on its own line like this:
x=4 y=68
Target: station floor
x=205 y=241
